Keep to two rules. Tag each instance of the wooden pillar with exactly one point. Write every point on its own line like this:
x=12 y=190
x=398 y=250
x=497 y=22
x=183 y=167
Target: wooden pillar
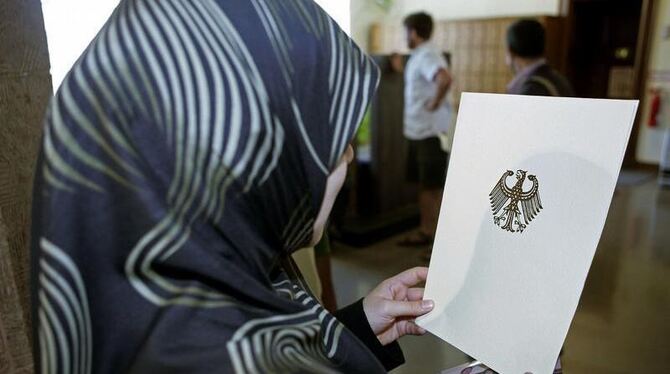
x=25 y=89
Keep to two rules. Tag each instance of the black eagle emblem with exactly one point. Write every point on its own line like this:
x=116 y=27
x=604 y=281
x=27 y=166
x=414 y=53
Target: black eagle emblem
x=506 y=201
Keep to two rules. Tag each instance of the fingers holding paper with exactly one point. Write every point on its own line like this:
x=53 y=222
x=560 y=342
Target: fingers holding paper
x=392 y=307
x=414 y=294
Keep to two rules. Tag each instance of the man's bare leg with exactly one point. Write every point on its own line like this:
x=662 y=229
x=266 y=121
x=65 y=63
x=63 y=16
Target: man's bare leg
x=429 y=211
x=429 y=204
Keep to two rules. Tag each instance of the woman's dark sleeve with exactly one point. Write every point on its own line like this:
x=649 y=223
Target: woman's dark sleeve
x=353 y=317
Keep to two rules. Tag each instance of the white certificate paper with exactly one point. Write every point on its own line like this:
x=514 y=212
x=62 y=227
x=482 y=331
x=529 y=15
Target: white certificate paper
x=528 y=188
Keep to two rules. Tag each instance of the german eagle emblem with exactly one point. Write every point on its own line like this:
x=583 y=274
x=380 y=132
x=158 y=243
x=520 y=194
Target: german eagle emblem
x=513 y=208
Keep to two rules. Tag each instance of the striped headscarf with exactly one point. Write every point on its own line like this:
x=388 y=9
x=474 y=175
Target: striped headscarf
x=185 y=156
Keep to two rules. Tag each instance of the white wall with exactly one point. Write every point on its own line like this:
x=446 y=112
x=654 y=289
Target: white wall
x=339 y=10
x=459 y=9
x=364 y=13
x=70 y=26
x=650 y=139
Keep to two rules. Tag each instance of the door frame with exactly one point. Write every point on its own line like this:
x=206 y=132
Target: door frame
x=640 y=67
x=641 y=75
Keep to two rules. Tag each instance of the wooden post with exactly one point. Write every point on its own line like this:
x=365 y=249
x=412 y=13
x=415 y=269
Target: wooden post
x=25 y=89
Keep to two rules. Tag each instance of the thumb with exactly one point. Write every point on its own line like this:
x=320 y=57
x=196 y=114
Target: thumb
x=395 y=308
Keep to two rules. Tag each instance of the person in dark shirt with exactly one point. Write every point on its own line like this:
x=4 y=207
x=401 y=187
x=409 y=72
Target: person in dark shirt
x=525 y=55
x=526 y=42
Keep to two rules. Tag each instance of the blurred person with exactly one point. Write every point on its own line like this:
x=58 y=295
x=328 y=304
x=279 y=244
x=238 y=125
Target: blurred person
x=426 y=118
x=526 y=43
x=525 y=56
x=183 y=160
x=396 y=63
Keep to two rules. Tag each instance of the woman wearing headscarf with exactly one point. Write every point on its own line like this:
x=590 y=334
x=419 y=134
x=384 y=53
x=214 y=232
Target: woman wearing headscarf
x=191 y=149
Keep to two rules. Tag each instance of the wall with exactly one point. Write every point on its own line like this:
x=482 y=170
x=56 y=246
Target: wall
x=70 y=27
x=364 y=13
x=68 y=39
x=459 y=9
x=650 y=139
x=339 y=10
x=25 y=88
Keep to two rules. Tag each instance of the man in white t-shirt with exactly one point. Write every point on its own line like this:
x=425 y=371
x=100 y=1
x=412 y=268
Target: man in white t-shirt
x=427 y=116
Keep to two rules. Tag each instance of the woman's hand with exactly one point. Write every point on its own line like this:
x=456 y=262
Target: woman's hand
x=392 y=307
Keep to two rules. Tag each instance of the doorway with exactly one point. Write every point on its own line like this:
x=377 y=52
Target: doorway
x=608 y=51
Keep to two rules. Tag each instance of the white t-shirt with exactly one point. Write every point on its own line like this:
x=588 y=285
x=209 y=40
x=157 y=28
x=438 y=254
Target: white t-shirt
x=420 y=90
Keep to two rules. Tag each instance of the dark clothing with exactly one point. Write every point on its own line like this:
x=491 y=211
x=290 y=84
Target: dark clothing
x=543 y=81
x=185 y=157
x=353 y=317
x=427 y=163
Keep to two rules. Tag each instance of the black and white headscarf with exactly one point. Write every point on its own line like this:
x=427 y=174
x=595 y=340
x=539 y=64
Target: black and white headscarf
x=185 y=156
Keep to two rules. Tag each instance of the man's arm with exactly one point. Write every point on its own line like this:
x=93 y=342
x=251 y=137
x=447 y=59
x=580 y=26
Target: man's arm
x=443 y=80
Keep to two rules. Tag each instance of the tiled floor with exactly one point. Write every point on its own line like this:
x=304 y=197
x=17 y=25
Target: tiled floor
x=622 y=324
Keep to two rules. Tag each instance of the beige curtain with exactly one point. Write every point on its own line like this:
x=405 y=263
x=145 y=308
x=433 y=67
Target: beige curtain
x=25 y=88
